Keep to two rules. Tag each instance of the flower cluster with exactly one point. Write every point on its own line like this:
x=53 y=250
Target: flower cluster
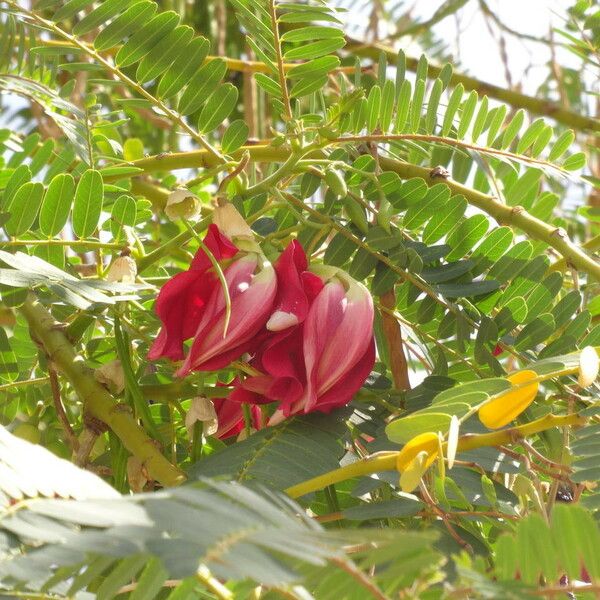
x=306 y=335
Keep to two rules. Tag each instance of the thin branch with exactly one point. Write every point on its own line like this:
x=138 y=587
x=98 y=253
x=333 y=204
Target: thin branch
x=363 y=580
x=60 y=409
x=386 y=461
x=95 y=398
x=393 y=336
x=506 y=215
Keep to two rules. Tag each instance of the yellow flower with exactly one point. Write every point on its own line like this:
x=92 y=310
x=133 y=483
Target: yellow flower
x=415 y=458
x=508 y=406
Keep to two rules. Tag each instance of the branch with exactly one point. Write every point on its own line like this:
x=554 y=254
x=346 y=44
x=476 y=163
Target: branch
x=95 y=398
x=386 y=461
x=515 y=216
x=393 y=336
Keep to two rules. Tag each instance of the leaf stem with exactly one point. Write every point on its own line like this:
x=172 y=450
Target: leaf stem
x=386 y=461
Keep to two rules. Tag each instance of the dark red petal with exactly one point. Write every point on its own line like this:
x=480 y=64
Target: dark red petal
x=220 y=246
x=291 y=297
x=179 y=306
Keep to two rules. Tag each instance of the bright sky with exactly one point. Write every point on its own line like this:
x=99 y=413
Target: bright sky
x=480 y=55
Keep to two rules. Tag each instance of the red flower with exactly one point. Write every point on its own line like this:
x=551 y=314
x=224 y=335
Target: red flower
x=192 y=305
x=231 y=417
x=323 y=349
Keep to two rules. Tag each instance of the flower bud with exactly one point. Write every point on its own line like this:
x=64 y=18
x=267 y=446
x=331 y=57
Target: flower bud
x=202 y=409
x=182 y=204
x=137 y=475
x=122 y=270
x=230 y=223
x=112 y=376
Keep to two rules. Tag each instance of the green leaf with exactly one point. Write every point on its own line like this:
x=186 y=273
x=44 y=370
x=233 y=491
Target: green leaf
x=202 y=84
x=480 y=119
x=150 y=582
x=146 y=38
x=467 y=290
x=218 y=107
x=19 y=176
x=163 y=54
x=314 y=68
x=403 y=106
x=452 y=108
x=416 y=106
x=404 y=429
x=496 y=118
x=513 y=128
x=87 y=206
x=387 y=105
x=307 y=34
x=188 y=62
x=443 y=221
x=133 y=149
x=235 y=136
x=542 y=141
x=123 y=573
x=269 y=84
x=530 y=135
x=339 y=250
x=23 y=208
x=280 y=456
x=468 y=110
x=57 y=204
x=130 y=20
x=422 y=68
x=105 y=11
x=562 y=144
x=373 y=108
x=69 y=9
x=575 y=162
x=432 y=106
x=466 y=235
x=9 y=366
x=315 y=49
x=123 y=214
x=306 y=86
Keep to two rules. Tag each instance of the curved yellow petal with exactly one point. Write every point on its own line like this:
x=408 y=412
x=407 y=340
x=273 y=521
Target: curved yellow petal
x=505 y=408
x=424 y=442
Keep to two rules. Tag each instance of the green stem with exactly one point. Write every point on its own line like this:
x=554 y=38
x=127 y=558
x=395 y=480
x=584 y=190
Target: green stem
x=506 y=215
x=97 y=401
x=139 y=402
x=386 y=461
x=515 y=216
x=15 y=384
x=285 y=169
x=177 y=242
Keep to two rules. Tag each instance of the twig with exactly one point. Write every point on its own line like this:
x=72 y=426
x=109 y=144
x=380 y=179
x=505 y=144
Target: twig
x=393 y=336
x=362 y=579
x=442 y=515
x=95 y=398
x=60 y=409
